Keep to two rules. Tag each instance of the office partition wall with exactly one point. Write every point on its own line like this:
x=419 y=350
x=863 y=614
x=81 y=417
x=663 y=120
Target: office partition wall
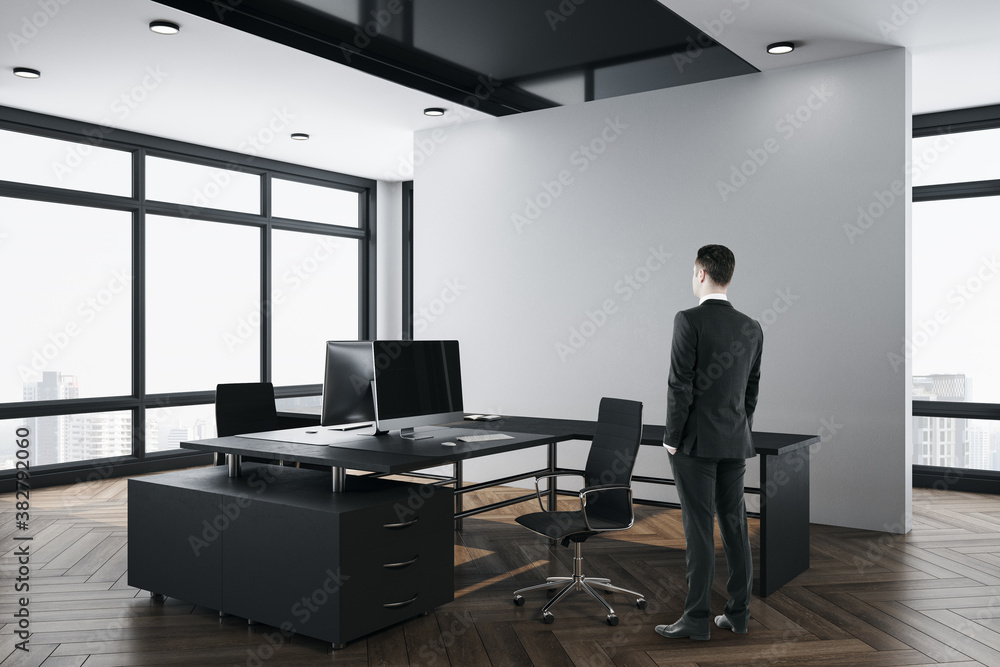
x=558 y=245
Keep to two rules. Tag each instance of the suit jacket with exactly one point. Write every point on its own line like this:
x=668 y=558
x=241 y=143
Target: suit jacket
x=714 y=377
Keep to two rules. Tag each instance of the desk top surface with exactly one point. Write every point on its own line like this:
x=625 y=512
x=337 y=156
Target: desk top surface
x=359 y=450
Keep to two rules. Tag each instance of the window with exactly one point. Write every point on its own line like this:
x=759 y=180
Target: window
x=202 y=295
x=956 y=289
x=56 y=439
x=314 y=299
x=74 y=165
x=124 y=309
x=304 y=201
x=77 y=260
x=202 y=186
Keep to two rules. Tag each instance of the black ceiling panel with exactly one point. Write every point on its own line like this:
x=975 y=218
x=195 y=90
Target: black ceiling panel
x=500 y=56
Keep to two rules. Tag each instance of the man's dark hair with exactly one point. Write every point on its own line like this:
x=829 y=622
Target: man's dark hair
x=718 y=262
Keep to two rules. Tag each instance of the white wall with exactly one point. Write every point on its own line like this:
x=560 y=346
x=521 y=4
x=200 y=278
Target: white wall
x=389 y=260
x=557 y=245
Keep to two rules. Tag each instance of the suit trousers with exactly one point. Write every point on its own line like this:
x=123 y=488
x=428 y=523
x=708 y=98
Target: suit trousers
x=710 y=487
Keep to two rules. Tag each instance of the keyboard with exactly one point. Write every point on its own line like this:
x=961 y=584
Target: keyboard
x=484 y=437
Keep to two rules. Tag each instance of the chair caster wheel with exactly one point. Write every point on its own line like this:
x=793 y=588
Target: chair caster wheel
x=640 y=603
x=612 y=619
x=548 y=617
x=519 y=600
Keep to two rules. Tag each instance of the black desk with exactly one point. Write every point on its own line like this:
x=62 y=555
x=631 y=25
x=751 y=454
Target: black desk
x=783 y=482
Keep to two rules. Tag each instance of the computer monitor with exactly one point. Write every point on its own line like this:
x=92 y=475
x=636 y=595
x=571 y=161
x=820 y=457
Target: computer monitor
x=417 y=383
x=347 y=384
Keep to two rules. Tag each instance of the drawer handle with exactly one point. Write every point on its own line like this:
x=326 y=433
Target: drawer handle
x=396 y=605
x=400 y=525
x=403 y=564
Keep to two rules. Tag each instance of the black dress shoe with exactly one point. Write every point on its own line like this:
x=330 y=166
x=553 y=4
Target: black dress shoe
x=680 y=630
x=723 y=622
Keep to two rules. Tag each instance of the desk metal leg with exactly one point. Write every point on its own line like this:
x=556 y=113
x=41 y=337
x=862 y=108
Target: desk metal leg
x=457 y=474
x=235 y=463
x=339 y=479
x=784 y=519
x=553 y=486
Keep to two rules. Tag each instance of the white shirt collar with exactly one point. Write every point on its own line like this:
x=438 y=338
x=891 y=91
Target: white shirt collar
x=713 y=295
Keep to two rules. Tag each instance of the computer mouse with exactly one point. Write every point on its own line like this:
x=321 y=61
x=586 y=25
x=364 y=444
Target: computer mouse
x=450 y=444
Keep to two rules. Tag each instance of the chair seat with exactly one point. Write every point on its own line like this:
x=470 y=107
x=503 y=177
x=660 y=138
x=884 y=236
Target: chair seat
x=559 y=525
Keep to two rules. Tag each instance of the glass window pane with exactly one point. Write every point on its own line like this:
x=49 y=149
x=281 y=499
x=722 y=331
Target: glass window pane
x=166 y=428
x=959 y=443
x=65 y=438
x=956 y=297
x=28 y=158
x=197 y=185
x=956 y=158
x=66 y=299
x=308 y=405
x=202 y=304
x=315 y=203
x=315 y=299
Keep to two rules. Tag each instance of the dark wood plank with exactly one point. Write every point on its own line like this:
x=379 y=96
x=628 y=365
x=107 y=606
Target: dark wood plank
x=869 y=599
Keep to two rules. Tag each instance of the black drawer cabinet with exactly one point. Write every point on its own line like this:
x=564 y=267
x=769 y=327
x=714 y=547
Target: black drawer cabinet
x=278 y=547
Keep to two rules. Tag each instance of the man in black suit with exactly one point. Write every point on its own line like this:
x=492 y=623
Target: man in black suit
x=712 y=393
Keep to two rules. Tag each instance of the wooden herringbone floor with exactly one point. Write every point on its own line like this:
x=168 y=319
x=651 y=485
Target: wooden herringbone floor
x=927 y=598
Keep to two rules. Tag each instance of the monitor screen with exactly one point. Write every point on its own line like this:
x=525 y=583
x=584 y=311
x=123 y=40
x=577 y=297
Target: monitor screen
x=347 y=383
x=417 y=383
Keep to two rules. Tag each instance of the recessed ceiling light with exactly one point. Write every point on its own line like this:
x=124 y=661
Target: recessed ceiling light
x=27 y=73
x=300 y=136
x=164 y=27
x=780 y=48
x=434 y=111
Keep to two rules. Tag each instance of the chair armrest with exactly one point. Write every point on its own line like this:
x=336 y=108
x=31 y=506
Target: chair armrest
x=587 y=490
x=549 y=475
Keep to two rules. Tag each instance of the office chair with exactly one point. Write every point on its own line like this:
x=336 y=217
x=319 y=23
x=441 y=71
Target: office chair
x=605 y=503
x=245 y=407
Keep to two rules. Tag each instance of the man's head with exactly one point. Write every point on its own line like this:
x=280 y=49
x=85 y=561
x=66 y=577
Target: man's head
x=713 y=269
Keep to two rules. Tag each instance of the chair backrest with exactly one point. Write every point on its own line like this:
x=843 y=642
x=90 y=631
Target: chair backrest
x=245 y=407
x=612 y=457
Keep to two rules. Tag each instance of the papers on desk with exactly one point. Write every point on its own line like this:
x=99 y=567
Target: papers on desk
x=482 y=418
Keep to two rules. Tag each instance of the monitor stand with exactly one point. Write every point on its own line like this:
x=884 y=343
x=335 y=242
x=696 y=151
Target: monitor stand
x=411 y=433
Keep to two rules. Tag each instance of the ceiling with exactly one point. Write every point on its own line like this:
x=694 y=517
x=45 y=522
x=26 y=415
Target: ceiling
x=217 y=86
